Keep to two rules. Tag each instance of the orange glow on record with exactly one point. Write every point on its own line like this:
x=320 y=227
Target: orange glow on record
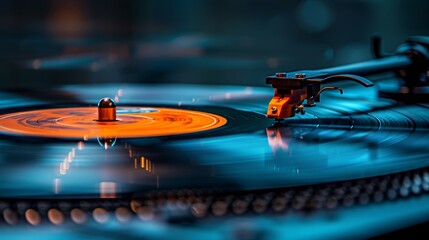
x=55 y=216
x=132 y=122
x=78 y=216
x=10 y=216
x=33 y=217
x=100 y=215
x=123 y=214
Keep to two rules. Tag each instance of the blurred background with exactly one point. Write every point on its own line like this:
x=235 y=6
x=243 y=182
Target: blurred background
x=46 y=44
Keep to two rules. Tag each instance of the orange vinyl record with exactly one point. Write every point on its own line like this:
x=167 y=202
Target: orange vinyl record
x=81 y=122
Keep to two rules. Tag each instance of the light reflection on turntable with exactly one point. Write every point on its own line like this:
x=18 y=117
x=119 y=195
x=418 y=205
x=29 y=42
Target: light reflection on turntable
x=335 y=157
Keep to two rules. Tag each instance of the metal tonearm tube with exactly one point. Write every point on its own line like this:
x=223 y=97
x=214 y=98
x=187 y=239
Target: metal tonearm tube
x=293 y=91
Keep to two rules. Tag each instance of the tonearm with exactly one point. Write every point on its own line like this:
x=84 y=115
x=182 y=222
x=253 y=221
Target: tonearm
x=293 y=91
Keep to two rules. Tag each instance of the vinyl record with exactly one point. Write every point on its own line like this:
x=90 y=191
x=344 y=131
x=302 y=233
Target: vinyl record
x=246 y=152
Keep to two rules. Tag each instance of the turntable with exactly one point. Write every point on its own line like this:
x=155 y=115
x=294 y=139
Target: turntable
x=156 y=161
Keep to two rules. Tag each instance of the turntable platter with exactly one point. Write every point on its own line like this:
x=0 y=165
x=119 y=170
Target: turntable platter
x=243 y=152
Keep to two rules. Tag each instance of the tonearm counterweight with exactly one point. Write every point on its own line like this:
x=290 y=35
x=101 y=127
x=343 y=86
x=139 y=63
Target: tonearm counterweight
x=410 y=62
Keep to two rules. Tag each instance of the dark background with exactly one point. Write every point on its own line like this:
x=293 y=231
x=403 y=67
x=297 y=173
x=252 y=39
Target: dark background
x=46 y=44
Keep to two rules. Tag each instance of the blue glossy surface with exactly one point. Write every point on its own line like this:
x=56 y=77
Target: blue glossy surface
x=307 y=149
x=345 y=137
